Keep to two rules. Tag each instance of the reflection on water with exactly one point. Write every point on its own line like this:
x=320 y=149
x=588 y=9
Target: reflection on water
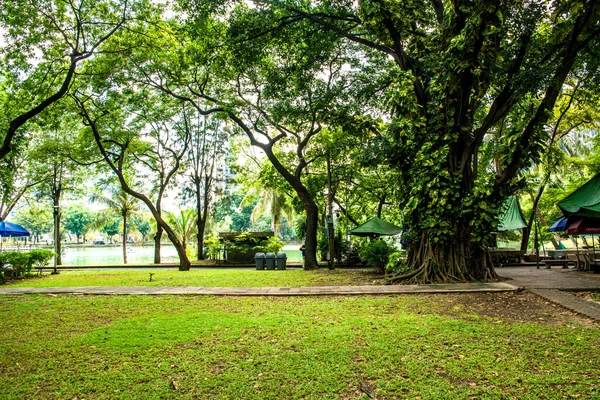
x=292 y=252
x=102 y=255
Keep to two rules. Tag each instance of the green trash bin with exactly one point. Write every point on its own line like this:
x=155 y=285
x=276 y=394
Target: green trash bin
x=270 y=260
x=281 y=260
x=259 y=260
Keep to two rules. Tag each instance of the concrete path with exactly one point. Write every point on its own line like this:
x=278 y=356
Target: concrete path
x=273 y=291
x=554 y=285
x=555 y=278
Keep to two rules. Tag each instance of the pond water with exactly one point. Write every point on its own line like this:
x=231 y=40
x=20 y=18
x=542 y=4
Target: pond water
x=105 y=255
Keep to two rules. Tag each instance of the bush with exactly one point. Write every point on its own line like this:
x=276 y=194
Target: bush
x=215 y=248
x=40 y=258
x=271 y=245
x=395 y=261
x=376 y=254
x=20 y=262
x=322 y=246
x=23 y=263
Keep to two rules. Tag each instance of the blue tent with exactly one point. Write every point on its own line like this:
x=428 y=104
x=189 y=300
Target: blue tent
x=9 y=229
x=560 y=225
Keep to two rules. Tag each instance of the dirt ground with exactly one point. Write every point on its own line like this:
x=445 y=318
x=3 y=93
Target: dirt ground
x=508 y=306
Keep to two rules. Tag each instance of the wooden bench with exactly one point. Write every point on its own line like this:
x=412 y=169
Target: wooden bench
x=564 y=263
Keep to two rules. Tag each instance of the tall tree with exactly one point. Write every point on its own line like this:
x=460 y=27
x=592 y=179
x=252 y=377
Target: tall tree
x=117 y=140
x=77 y=219
x=46 y=41
x=456 y=71
x=205 y=158
x=166 y=145
x=279 y=102
x=119 y=204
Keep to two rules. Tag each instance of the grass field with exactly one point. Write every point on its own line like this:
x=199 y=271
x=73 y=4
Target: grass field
x=506 y=345
x=200 y=277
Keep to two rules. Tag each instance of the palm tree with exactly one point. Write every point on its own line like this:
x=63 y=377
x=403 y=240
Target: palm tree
x=271 y=203
x=184 y=225
x=121 y=205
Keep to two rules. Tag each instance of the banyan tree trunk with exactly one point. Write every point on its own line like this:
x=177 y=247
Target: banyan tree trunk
x=456 y=260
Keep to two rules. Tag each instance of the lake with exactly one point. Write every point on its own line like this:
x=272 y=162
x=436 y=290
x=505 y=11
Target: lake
x=105 y=255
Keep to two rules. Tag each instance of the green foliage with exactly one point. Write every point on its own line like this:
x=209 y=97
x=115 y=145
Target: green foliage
x=271 y=245
x=142 y=225
x=183 y=224
x=112 y=227
x=300 y=226
x=396 y=260
x=322 y=246
x=77 y=220
x=40 y=258
x=214 y=246
x=376 y=254
x=240 y=214
x=36 y=218
x=24 y=262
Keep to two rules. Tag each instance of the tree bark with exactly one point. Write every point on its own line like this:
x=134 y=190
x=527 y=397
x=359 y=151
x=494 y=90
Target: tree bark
x=458 y=259
x=330 y=233
x=56 y=204
x=312 y=223
x=117 y=168
x=527 y=230
x=157 y=239
x=124 y=239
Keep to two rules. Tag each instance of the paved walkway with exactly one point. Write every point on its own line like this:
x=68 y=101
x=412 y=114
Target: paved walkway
x=555 y=278
x=273 y=291
x=554 y=285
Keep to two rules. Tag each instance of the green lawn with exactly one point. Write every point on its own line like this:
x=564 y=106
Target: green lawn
x=505 y=345
x=199 y=277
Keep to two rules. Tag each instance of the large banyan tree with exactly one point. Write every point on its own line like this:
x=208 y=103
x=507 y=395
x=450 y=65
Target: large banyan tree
x=457 y=72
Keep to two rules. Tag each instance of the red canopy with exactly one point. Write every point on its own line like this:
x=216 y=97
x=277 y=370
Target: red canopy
x=583 y=226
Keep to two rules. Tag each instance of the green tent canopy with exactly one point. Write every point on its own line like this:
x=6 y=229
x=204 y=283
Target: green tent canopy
x=583 y=202
x=511 y=218
x=376 y=227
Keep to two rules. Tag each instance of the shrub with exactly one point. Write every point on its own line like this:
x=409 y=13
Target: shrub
x=271 y=245
x=20 y=262
x=23 y=263
x=376 y=254
x=40 y=258
x=214 y=247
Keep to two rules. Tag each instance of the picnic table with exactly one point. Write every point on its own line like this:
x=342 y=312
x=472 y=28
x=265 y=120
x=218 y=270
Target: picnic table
x=581 y=258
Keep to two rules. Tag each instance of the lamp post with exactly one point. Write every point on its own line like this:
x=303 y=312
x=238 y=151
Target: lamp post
x=56 y=237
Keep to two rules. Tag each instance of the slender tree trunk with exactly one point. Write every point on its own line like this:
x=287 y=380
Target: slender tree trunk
x=201 y=225
x=330 y=233
x=312 y=223
x=157 y=239
x=380 y=205
x=124 y=239
x=527 y=230
x=543 y=222
x=201 y=220
x=56 y=204
x=535 y=211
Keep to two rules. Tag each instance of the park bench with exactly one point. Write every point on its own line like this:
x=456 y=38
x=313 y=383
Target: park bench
x=561 y=262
